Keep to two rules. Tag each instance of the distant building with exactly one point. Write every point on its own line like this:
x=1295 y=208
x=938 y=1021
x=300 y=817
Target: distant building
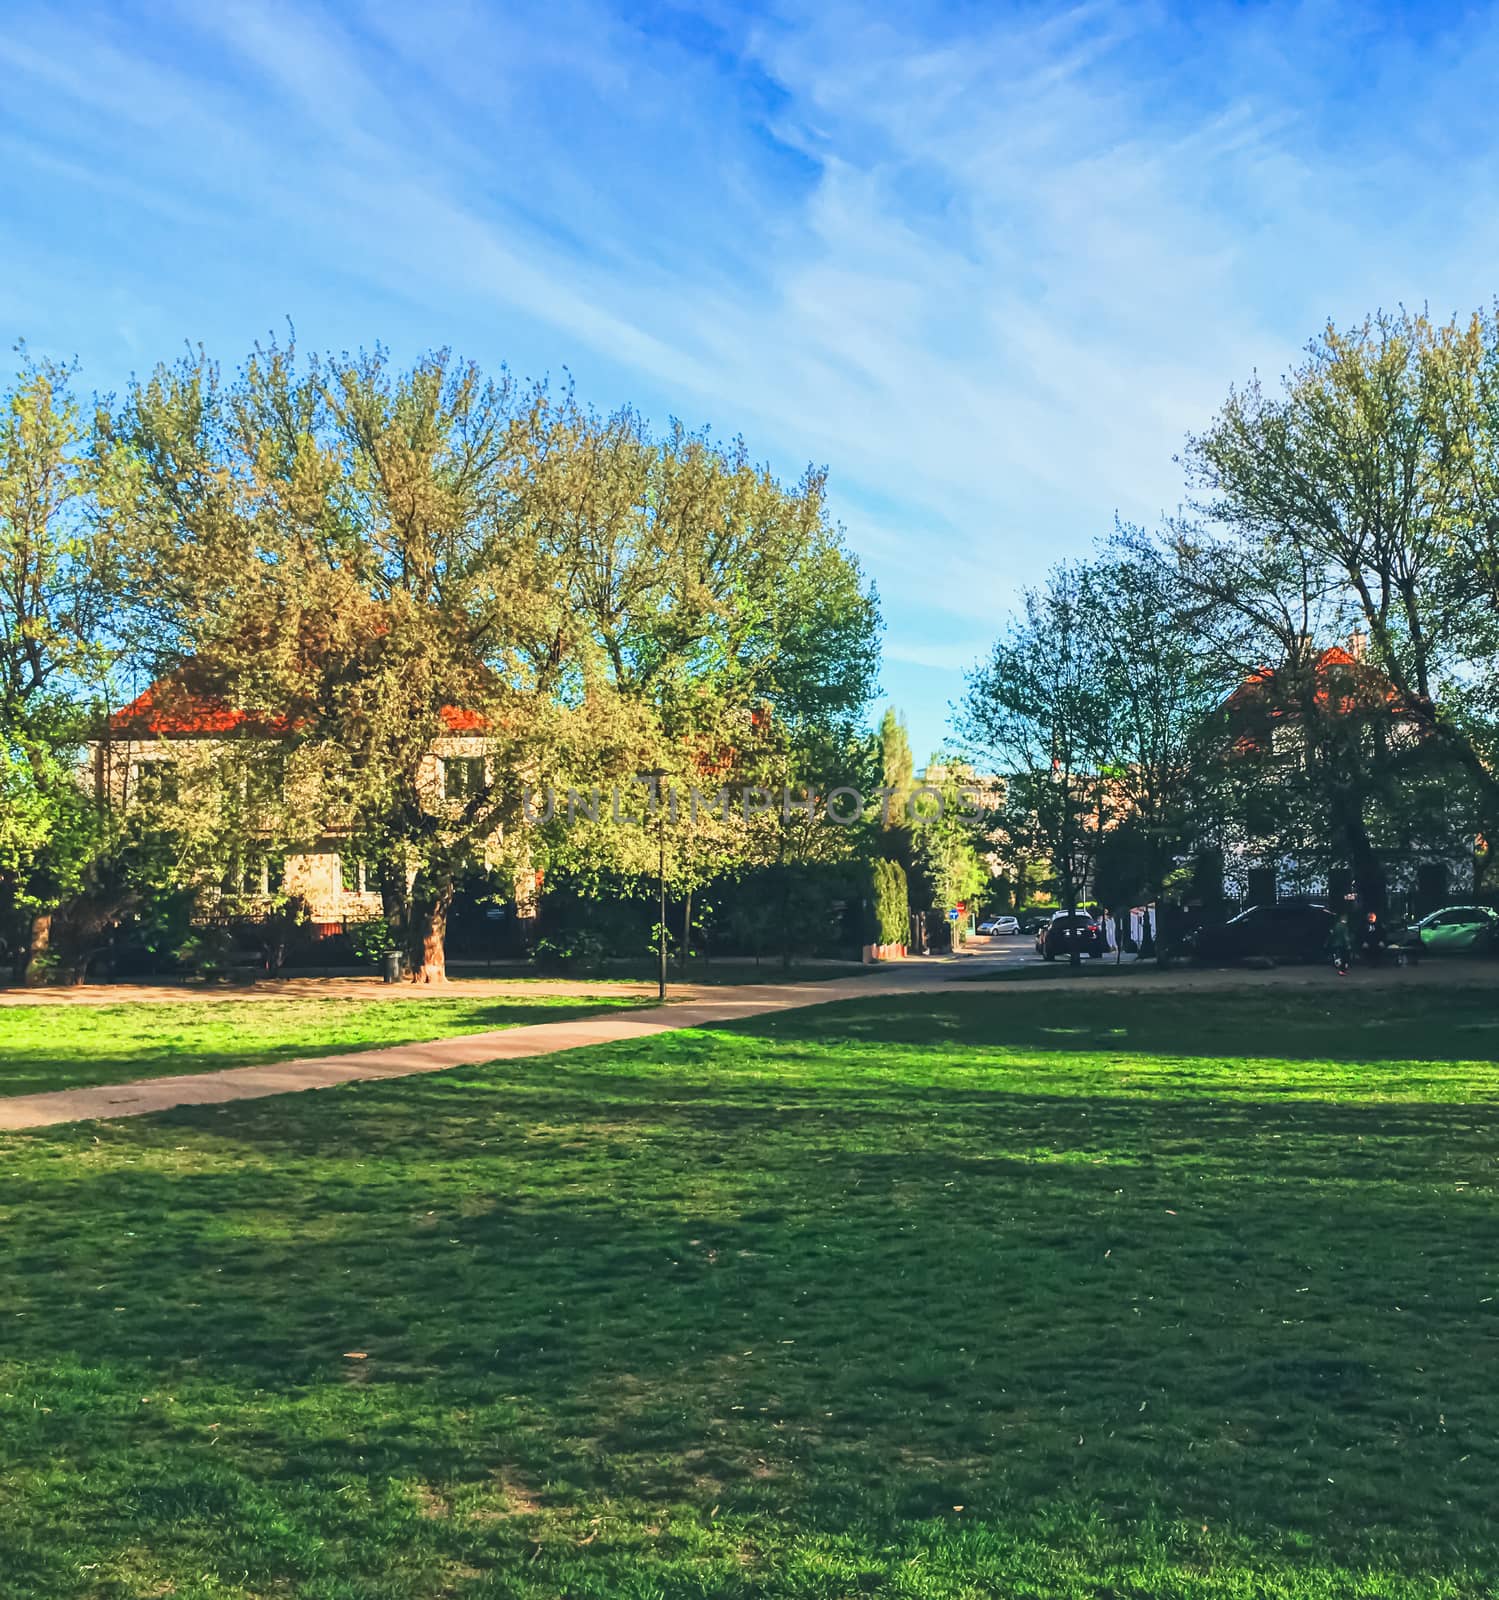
x=1267 y=720
x=140 y=756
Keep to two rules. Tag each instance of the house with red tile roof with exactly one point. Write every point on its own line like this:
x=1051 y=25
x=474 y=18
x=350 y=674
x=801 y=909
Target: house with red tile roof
x=1269 y=719
x=144 y=748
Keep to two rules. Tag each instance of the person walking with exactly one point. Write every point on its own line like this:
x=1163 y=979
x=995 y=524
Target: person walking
x=1342 y=945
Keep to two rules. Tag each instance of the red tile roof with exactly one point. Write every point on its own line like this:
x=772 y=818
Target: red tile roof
x=170 y=710
x=1359 y=689
x=167 y=709
x=460 y=721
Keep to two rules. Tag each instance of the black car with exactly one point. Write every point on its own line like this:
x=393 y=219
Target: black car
x=1289 y=930
x=1067 y=932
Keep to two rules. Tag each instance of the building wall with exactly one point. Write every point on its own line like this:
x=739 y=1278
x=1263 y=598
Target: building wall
x=324 y=875
x=1416 y=883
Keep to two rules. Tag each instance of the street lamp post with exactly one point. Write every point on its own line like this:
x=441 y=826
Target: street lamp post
x=654 y=777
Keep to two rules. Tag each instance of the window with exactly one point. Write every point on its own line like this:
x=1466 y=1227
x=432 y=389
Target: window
x=356 y=875
x=255 y=874
x=462 y=777
x=154 y=782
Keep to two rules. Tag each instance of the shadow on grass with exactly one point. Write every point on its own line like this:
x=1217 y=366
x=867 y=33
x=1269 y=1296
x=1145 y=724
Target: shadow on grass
x=1331 y=1024
x=784 y=1288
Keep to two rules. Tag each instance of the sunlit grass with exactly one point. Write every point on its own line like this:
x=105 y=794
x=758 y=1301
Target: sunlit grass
x=65 y=1047
x=996 y=1294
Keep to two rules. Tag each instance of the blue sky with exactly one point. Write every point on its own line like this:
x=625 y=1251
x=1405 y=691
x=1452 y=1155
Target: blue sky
x=988 y=263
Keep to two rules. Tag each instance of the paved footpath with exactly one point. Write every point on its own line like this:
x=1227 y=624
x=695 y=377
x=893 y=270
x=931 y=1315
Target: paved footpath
x=696 y=1007
x=704 y=1009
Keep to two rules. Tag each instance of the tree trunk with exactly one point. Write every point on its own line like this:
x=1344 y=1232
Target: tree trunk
x=395 y=901
x=527 y=890
x=427 y=951
x=1369 y=876
x=1368 y=871
x=686 y=931
x=38 y=949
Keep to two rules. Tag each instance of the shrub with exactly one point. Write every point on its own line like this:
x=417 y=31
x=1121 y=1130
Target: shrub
x=891 y=898
x=570 y=952
x=371 y=940
x=208 y=951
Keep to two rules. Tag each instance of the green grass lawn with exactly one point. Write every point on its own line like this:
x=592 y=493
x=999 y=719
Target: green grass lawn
x=66 y=1047
x=989 y=1294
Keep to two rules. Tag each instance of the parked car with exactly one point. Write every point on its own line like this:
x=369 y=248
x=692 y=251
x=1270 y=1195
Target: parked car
x=1034 y=924
x=1289 y=930
x=999 y=925
x=1459 y=930
x=1069 y=931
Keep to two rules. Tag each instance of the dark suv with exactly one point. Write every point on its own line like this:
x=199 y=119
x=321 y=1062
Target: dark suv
x=1289 y=930
x=1068 y=931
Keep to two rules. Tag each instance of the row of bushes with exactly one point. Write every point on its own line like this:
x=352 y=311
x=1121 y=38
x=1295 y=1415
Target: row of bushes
x=791 y=911
x=795 y=911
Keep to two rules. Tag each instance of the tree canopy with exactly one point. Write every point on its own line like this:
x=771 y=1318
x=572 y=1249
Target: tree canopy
x=430 y=590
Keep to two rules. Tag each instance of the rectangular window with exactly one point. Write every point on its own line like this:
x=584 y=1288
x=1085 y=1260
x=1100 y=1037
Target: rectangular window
x=154 y=782
x=256 y=873
x=355 y=875
x=462 y=777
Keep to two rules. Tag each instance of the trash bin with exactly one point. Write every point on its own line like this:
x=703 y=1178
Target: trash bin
x=390 y=966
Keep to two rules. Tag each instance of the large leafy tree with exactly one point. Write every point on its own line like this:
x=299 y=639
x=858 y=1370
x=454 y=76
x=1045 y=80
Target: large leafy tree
x=341 y=546
x=59 y=591
x=1163 y=681
x=1365 y=492
x=1037 y=715
x=723 y=620
x=392 y=561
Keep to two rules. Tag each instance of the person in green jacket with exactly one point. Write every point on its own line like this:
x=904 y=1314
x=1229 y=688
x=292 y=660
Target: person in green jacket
x=1342 y=944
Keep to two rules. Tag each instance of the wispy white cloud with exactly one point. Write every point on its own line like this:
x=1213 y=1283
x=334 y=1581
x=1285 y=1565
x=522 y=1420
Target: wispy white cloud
x=952 y=659
x=989 y=266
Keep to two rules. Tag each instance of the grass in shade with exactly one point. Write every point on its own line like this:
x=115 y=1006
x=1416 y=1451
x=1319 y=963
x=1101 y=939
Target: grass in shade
x=68 y=1047
x=988 y=1294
